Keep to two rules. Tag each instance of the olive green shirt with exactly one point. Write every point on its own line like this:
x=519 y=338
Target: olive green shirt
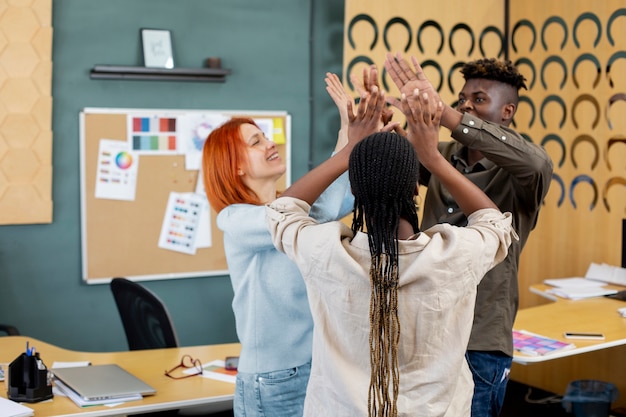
x=515 y=174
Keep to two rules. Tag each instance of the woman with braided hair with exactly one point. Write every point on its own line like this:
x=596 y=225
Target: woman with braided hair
x=392 y=306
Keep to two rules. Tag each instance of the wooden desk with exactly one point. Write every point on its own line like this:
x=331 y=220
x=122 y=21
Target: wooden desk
x=148 y=365
x=603 y=360
x=597 y=315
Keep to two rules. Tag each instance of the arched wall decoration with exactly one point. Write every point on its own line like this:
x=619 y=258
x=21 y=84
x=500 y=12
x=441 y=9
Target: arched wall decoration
x=358 y=60
x=613 y=99
x=588 y=139
x=556 y=178
x=584 y=178
x=605 y=191
x=559 y=21
x=612 y=141
x=560 y=102
x=434 y=64
x=554 y=137
x=531 y=65
x=594 y=19
x=527 y=100
x=453 y=68
x=466 y=28
x=519 y=24
x=617 y=13
x=491 y=29
x=594 y=60
x=405 y=24
x=548 y=61
x=592 y=100
x=426 y=24
x=617 y=55
x=367 y=18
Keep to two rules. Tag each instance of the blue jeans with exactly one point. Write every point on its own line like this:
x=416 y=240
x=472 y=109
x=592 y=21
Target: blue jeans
x=491 y=374
x=272 y=394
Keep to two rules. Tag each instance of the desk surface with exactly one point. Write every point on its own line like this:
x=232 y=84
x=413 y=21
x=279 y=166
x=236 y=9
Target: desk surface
x=148 y=365
x=598 y=315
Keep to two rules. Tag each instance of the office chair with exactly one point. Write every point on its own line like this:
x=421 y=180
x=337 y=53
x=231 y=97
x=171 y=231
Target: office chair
x=148 y=325
x=9 y=330
x=146 y=321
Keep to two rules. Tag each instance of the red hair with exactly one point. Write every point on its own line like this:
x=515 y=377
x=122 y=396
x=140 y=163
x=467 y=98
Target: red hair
x=224 y=152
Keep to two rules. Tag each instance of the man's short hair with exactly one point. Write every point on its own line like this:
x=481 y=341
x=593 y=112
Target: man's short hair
x=493 y=69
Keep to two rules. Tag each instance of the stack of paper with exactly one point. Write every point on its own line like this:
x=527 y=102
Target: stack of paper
x=577 y=288
x=10 y=408
x=607 y=273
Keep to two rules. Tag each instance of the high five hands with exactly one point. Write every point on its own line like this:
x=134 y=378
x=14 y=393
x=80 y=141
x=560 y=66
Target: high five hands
x=423 y=112
x=407 y=79
x=366 y=119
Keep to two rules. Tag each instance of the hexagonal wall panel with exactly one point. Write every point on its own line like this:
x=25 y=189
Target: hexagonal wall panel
x=26 y=112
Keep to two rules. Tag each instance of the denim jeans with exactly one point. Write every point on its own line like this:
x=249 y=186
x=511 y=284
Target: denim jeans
x=272 y=394
x=491 y=374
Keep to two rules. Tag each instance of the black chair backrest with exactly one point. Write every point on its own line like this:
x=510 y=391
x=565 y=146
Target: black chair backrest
x=146 y=321
x=9 y=330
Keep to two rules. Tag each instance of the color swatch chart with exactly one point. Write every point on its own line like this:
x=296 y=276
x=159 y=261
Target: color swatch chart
x=534 y=344
x=152 y=134
x=181 y=221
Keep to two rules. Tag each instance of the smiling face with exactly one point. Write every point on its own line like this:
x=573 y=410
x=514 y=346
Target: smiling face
x=489 y=100
x=264 y=166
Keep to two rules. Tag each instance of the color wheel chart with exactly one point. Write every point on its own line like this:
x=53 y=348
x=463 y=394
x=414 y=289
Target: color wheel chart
x=116 y=171
x=152 y=133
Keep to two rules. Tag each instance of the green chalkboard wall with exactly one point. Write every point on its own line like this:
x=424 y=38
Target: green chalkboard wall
x=278 y=50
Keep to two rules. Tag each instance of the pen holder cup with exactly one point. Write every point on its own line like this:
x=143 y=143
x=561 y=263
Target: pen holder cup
x=28 y=379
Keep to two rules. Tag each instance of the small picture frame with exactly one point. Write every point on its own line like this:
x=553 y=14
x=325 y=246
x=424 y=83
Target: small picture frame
x=157 y=48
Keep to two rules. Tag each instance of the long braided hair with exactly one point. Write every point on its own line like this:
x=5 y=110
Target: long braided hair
x=383 y=171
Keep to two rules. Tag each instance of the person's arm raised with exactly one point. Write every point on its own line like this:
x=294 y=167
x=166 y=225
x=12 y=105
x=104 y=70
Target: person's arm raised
x=423 y=132
x=361 y=124
x=408 y=79
x=341 y=98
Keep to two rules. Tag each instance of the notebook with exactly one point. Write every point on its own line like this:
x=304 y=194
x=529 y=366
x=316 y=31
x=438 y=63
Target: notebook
x=102 y=382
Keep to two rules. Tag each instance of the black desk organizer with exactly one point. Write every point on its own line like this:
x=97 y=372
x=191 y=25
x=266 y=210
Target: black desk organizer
x=28 y=379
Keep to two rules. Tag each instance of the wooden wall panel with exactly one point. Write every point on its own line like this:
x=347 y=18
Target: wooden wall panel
x=579 y=108
x=579 y=60
x=25 y=112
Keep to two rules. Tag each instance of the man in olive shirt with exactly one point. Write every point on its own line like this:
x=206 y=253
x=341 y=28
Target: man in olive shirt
x=514 y=173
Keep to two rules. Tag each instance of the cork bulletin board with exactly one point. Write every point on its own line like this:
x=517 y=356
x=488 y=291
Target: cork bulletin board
x=121 y=233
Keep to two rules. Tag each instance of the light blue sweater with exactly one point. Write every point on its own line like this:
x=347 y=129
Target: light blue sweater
x=272 y=314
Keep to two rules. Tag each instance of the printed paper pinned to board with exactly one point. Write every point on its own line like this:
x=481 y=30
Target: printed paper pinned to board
x=116 y=177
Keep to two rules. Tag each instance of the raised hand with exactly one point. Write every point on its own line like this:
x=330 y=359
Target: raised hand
x=423 y=112
x=370 y=80
x=335 y=90
x=367 y=118
x=406 y=78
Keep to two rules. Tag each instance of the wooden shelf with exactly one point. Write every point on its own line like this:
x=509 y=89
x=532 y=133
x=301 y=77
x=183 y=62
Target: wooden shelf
x=118 y=72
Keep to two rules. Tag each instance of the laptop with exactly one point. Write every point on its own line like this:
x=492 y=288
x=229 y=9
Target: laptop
x=102 y=382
